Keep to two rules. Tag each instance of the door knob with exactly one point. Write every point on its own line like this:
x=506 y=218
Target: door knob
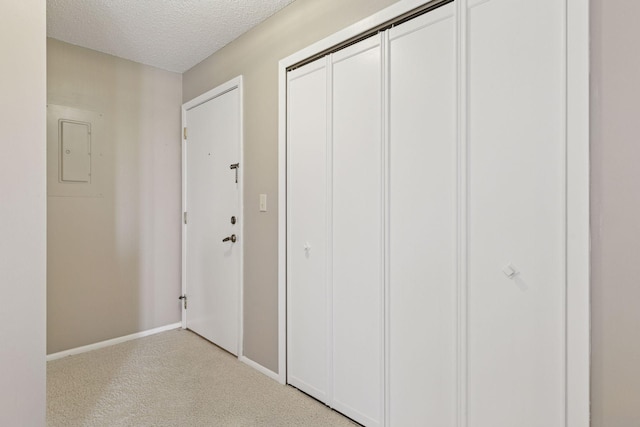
x=232 y=238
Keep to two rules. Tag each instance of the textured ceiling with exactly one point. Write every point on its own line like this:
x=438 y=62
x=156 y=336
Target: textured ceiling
x=173 y=35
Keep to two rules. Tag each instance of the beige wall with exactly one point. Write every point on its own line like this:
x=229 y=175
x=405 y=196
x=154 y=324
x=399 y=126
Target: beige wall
x=615 y=209
x=114 y=262
x=255 y=55
x=22 y=212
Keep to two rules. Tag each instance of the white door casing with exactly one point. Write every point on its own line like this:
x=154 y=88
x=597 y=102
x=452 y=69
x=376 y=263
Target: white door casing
x=212 y=195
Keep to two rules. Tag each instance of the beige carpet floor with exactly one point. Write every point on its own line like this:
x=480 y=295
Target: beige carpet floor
x=174 y=378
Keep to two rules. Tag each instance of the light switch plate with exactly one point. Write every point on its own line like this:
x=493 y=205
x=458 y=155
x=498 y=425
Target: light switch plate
x=263 y=203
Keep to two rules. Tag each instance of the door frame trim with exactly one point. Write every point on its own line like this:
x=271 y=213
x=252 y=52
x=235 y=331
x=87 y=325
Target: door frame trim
x=578 y=325
x=235 y=83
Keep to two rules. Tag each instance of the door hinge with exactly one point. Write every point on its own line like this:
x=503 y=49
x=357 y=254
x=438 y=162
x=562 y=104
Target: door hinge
x=184 y=217
x=184 y=132
x=184 y=300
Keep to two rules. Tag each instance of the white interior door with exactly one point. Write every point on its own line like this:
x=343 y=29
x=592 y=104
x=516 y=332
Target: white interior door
x=357 y=255
x=517 y=213
x=213 y=262
x=308 y=298
x=422 y=312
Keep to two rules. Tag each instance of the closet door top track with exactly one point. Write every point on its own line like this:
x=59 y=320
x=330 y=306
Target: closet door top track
x=425 y=8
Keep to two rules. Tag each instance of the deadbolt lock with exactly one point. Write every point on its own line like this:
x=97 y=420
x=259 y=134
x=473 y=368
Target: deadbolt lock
x=233 y=220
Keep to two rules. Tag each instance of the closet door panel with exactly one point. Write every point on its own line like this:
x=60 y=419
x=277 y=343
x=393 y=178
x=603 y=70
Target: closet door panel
x=307 y=229
x=422 y=224
x=517 y=283
x=357 y=232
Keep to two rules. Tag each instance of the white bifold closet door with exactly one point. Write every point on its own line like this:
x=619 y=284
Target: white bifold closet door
x=335 y=231
x=422 y=221
x=426 y=220
x=358 y=260
x=307 y=237
x=516 y=345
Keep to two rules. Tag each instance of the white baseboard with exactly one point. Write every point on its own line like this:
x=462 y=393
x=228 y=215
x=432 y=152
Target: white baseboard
x=111 y=342
x=260 y=368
